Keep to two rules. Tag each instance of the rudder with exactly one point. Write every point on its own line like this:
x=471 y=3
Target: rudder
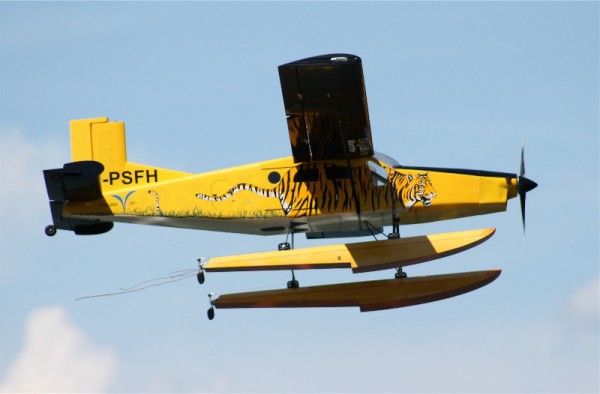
x=98 y=139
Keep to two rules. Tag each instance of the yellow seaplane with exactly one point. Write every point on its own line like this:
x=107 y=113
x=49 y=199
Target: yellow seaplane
x=333 y=185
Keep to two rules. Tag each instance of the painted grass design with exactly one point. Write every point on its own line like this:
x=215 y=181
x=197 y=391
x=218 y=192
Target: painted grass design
x=199 y=213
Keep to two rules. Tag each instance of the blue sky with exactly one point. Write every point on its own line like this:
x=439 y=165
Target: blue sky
x=457 y=84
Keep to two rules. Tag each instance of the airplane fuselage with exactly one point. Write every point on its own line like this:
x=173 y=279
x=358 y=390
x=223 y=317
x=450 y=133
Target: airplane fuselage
x=272 y=197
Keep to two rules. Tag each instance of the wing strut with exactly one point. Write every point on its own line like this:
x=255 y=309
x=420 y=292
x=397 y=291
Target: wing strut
x=395 y=221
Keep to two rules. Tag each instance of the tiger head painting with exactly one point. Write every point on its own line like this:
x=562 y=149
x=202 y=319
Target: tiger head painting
x=411 y=189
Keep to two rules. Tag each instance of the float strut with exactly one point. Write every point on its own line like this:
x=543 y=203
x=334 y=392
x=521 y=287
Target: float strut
x=293 y=284
x=400 y=274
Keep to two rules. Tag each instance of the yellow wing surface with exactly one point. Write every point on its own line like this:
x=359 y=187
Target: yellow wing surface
x=360 y=257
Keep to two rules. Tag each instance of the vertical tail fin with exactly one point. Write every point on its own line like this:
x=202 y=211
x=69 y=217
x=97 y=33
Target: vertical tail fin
x=103 y=141
x=99 y=140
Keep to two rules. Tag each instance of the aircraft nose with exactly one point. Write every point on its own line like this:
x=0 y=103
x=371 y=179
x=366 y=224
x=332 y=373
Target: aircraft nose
x=526 y=184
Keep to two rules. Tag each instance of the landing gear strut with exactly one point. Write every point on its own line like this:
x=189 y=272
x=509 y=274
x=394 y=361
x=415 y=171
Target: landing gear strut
x=284 y=246
x=400 y=274
x=395 y=234
x=293 y=284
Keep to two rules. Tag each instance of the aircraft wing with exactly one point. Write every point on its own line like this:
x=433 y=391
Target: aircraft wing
x=326 y=107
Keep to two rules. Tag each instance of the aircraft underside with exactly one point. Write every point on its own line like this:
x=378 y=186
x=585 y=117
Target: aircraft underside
x=322 y=226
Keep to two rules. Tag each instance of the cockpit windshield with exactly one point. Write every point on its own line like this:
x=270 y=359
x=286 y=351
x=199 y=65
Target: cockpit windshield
x=386 y=160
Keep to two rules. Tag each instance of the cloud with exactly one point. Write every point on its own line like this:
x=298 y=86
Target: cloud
x=22 y=161
x=584 y=303
x=23 y=200
x=58 y=357
x=15 y=154
x=581 y=311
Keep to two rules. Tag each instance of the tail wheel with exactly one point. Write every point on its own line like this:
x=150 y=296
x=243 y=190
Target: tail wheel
x=50 y=230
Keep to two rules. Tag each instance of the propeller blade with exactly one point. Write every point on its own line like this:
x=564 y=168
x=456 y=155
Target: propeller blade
x=522 y=170
x=522 y=197
x=524 y=185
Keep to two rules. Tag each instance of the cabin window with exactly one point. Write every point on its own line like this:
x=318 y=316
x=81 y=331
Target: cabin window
x=306 y=175
x=385 y=159
x=378 y=173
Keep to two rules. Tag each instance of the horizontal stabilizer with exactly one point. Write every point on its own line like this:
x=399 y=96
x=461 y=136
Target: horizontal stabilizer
x=368 y=296
x=75 y=182
x=361 y=257
x=78 y=181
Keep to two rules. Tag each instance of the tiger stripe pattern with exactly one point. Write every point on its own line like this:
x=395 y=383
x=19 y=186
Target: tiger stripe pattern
x=327 y=193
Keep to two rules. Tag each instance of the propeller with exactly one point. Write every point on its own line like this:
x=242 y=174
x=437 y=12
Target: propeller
x=524 y=185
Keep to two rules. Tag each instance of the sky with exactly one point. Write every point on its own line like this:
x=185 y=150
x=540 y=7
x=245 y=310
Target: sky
x=452 y=84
